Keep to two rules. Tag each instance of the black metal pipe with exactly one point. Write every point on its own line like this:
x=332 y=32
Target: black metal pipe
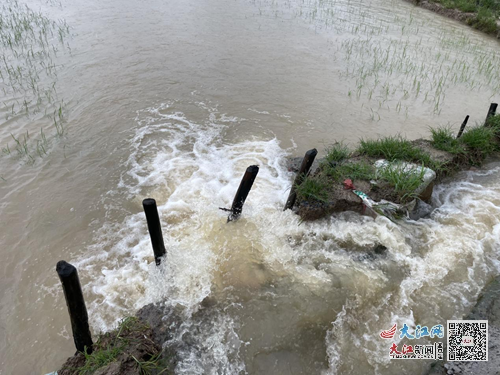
x=491 y=112
x=76 y=306
x=462 y=127
x=242 y=193
x=154 y=228
x=303 y=171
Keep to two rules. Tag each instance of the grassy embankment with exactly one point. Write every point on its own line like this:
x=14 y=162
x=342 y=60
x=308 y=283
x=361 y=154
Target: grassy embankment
x=340 y=163
x=486 y=12
x=127 y=350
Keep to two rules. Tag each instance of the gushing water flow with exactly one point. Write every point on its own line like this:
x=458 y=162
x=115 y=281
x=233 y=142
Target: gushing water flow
x=284 y=294
x=242 y=83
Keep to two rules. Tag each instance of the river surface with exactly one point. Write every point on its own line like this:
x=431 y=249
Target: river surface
x=173 y=100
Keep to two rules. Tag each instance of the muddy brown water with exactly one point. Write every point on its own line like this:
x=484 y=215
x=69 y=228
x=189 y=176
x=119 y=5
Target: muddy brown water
x=174 y=100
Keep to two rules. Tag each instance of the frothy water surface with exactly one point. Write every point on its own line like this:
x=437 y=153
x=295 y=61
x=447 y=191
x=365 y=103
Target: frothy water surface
x=285 y=295
x=173 y=100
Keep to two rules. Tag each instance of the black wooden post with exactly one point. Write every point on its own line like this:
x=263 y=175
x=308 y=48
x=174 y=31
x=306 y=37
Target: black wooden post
x=303 y=171
x=76 y=306
x=154 y=228
x=491 y=112
x=462 y=127
x=242 y=193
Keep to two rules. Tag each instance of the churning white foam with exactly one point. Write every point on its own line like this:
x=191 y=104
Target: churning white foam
x=432 y=269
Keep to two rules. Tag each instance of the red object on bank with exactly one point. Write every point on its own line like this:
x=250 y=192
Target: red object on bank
x=348 y=185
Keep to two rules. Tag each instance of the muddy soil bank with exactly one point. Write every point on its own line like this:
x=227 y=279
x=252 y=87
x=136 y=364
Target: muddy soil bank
x=339 y=199
x=134 y=348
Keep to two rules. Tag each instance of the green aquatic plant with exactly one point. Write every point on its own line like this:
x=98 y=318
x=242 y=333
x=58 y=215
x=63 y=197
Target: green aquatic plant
x=29 y=43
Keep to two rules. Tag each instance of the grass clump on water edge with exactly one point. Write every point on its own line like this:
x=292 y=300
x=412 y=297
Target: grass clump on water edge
x=480 y=140
x=99 y=359
x=444 y=139
x=337 y=167
x=337 y=153
x=128 y=345
x=396 y=148
x=494 y=122
x=354 y=171
x=485 y=21
x=472 y=147
x=477 y=141
x=313 y=188
x=404 y=180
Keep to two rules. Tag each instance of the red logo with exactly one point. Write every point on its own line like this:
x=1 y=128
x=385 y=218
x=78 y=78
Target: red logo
x=394 y=349
x=407 y=349
x=390 y=333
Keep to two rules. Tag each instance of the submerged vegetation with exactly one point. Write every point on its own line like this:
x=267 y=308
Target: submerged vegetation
x=389 y=63
x=29 y=45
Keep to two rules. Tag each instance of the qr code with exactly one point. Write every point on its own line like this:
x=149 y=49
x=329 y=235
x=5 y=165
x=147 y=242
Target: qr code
x=467 y=340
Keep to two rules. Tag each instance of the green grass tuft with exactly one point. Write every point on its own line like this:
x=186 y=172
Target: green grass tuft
x=99 y=359
x=116 y=346
x=480 y=139
x=312 y=188
x=485 y=21
x=354 y=171
x=337 y=153
x=494 y=122
x=404 y=180
x=444 y=139
x=151 y=366
x=396 y=148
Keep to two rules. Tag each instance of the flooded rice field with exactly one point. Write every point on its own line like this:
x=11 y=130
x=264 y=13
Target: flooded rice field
x=107 y=103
